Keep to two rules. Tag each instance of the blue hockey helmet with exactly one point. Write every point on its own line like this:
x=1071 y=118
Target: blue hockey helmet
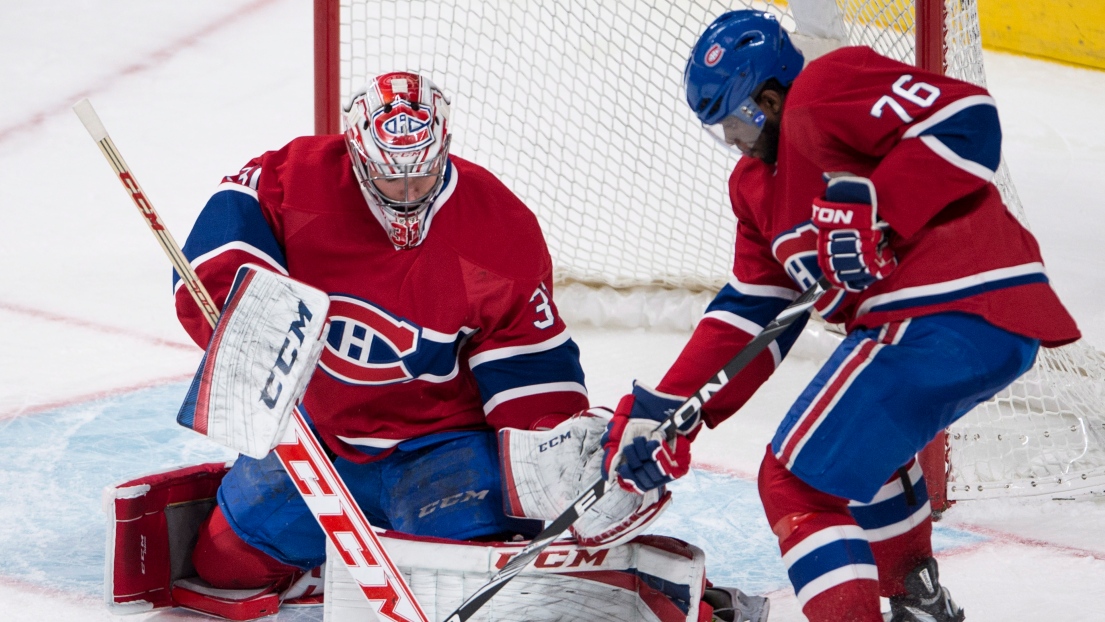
x=734 y=57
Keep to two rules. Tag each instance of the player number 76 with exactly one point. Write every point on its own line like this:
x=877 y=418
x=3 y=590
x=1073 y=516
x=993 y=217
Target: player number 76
x=911 y=94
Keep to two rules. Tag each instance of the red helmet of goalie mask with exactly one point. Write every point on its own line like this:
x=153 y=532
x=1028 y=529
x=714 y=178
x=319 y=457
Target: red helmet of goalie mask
x=397 y=132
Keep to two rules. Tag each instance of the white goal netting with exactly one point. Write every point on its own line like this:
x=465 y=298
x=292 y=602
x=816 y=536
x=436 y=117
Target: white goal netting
x=578 y=106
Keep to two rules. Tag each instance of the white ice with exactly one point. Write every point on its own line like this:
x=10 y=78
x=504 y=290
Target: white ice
x=191 y=90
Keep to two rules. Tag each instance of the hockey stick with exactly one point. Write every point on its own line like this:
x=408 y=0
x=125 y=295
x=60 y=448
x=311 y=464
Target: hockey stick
x=687 y=411
x=299 y=451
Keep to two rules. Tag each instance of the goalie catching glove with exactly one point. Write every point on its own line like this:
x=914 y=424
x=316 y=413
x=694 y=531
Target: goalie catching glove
x=642 y=457
x=852 y=248
x=545 y=471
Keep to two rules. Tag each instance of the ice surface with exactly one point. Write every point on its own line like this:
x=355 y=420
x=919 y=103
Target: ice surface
x=94 y=361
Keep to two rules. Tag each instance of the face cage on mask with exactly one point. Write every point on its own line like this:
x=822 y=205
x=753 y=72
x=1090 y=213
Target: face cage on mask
x=372 y=171
x=741 y=129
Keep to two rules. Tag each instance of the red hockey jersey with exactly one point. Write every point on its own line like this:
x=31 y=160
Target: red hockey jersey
x=931 y=146
x=458 y=333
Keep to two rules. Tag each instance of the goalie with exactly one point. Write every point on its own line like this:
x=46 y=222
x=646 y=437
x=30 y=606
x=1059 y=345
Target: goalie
x=448 y=387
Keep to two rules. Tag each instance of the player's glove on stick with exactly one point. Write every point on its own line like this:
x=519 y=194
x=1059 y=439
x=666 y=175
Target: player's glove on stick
x=544 y=472
x=852 y=247
x=642 y=458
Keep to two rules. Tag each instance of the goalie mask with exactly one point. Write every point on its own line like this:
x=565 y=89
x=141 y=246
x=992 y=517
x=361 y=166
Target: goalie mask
x=397 y=132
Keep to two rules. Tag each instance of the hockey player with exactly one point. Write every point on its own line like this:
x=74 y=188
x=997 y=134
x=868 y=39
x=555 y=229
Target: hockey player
x=442 y=332
x=877 y=175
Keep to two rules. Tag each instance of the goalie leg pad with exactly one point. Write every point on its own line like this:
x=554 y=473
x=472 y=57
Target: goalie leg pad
x=154 y=522
x=652 y=579
x=152 y=525
x=544 y=471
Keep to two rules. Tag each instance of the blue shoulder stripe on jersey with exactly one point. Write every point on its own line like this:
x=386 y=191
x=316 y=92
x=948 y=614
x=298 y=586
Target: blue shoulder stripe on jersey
x=559 y=364
x=756 y=309
x=231 y=216
x=890 y=511
x=972 y=133
x=825 y=559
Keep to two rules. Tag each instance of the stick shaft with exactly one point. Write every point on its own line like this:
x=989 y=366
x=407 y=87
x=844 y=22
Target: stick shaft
x=687 y=411
x=299 y=451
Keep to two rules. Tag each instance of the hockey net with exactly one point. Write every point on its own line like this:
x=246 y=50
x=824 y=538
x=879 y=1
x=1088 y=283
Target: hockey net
x=578 y=106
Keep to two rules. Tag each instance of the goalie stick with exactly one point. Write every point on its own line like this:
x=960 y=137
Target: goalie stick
x=687 y=411
x=299 y=451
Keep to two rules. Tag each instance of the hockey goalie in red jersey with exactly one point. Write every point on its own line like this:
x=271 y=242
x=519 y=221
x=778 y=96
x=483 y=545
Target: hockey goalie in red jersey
x=877 y=176
x=448 y=394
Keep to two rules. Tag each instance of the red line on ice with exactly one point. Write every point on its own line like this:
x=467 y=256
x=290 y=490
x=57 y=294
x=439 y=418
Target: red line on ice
x=724 y=470
x=49 y=316
x=1004 y=537
x=156 y=59
x=34 y=409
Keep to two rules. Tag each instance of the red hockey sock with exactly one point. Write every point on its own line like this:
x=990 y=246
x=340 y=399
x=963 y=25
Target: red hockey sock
x=898 y=556
x=225 y=561
x=899 y=525
x=828 y=558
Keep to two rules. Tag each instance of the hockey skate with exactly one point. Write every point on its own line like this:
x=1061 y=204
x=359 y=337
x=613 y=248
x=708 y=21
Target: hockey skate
x=733 y=605
x=925 y=599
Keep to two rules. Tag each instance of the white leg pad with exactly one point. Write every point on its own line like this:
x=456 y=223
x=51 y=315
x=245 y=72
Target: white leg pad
x=651 y=578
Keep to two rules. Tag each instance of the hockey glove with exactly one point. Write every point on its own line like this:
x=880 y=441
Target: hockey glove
x=544 y=471
x=852 y=247
x=642 y=458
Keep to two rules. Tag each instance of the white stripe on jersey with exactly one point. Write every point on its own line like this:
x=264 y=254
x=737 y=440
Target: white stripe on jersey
x=942 y=150
x=763 y=291
x=368 y=441
x=533 y=389
x=498 y=354
x=948 y=112
x=956 y=160
x=233 y=186
x=236 y=245
x=922 y=291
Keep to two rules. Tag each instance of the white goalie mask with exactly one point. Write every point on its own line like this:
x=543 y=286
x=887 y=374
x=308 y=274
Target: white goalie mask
x=397 y=132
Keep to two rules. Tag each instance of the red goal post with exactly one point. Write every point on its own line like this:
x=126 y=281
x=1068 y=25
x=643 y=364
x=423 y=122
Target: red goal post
x=577 y=105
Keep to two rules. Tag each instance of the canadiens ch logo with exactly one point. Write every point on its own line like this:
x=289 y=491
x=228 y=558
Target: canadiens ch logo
x=366 y=345
x=797 y=251
x=400 y=127
x=713 y=55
